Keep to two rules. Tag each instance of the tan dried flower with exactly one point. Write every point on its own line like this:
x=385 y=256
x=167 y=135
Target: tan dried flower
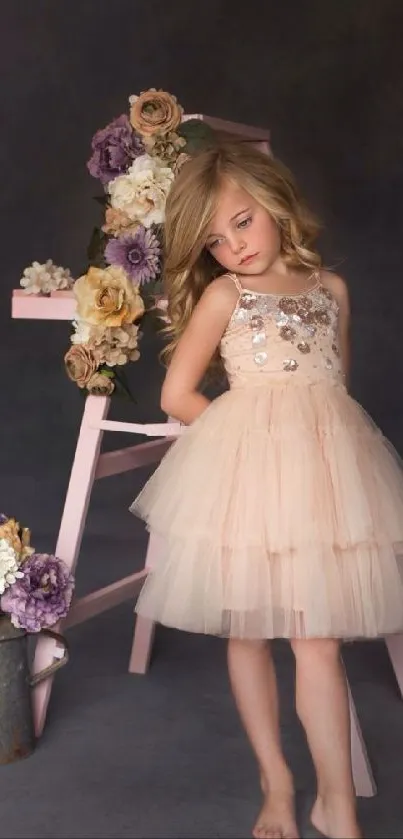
x=118 y=222
x=155 y=112
x=116 y=345
x=166 y=147
x=26 y=547
x=107 y=297
x=81 y=363
x=18 y=538
x=42 y=278
x=100 y=385
x=9 y=532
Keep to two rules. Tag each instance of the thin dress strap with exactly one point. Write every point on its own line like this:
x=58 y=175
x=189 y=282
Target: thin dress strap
x=236 y=282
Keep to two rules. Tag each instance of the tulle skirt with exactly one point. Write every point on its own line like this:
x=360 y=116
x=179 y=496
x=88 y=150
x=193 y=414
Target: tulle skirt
x=280 y=512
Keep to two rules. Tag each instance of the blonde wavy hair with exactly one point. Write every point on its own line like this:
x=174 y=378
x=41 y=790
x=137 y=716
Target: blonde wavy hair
x=190 y=208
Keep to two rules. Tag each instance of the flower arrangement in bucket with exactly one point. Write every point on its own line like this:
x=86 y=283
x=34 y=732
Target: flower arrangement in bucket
x=35 y=594
x=35 y=589
x=135 y=158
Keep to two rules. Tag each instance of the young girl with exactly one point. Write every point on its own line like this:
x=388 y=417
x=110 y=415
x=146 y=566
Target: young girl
x=281 y=504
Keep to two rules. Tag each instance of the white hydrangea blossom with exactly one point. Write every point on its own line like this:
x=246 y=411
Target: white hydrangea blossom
x=9 y=572
x=42 y=278
x=82 y=332
x=142 y=192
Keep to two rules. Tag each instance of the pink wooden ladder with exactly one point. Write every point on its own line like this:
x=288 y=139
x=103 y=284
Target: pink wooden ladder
x=89 y=465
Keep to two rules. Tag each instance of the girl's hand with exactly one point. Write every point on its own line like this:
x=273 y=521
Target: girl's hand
x=179 y=397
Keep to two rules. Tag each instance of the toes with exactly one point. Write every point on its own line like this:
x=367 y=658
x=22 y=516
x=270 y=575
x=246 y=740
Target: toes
x=261 y=831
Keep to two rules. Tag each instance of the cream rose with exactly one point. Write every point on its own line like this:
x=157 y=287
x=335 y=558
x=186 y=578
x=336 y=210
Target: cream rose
x=155 y=112
x=142 y=192
x=106 y=297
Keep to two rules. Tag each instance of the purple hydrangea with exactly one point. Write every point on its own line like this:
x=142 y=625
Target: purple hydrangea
x=138 y=253
x=42 y=596
x=113 y=149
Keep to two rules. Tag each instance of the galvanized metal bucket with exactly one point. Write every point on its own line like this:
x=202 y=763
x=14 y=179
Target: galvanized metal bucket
x=17 y=735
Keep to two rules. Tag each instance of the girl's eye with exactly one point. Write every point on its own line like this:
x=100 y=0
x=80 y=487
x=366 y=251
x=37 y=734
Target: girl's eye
x=245 y=222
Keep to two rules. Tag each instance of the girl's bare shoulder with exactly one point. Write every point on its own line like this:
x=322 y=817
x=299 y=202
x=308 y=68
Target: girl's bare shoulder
x=221 y=292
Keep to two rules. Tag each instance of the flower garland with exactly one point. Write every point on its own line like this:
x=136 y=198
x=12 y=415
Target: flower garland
x=36 y=589
x=136 y=158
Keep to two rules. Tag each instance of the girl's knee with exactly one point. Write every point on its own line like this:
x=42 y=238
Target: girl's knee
x=248 y=644
x=307 y=649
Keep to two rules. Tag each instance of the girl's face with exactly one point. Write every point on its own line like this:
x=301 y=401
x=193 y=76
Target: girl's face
x=242 y=237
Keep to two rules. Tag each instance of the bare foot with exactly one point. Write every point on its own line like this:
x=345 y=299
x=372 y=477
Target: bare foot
x=276 y=819
x=336 y=818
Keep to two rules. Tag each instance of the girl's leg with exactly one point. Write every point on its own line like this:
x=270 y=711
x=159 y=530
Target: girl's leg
x=323 y=708
x=254 y=685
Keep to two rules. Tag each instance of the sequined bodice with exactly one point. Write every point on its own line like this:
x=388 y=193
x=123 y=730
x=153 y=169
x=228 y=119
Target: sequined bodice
x=275 y=336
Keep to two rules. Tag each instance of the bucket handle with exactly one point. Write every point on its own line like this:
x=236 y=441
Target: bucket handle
x=56 y=665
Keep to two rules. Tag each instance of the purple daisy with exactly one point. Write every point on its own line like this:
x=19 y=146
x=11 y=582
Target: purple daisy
x=113 y=149
x=138 y=253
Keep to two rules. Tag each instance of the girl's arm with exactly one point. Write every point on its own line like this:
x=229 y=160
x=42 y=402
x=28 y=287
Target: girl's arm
x=180 y=397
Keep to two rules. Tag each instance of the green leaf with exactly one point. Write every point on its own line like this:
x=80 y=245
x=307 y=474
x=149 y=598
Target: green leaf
x=101 y=199
x=121 y=385
x=198 y=135
x=96 y=247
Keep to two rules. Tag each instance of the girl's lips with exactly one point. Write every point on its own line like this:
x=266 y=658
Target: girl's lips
x=248 y=258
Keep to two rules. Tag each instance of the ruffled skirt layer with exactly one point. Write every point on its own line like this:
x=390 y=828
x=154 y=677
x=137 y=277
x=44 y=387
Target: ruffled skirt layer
x=281 y=515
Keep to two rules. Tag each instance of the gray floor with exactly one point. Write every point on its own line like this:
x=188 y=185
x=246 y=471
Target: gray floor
x=163 y=755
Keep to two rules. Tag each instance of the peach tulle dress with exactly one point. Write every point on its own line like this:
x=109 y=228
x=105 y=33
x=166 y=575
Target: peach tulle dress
x=281 y=507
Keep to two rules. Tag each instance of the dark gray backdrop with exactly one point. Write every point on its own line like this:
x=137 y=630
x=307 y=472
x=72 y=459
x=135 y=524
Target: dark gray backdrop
x=326 y=76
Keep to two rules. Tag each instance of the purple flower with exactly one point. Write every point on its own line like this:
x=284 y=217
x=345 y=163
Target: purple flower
x=43 y=596
x=138 y=253
x=3 y=518
x=113 y=149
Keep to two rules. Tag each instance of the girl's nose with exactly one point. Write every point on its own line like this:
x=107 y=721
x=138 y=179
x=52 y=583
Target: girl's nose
x=237 y=246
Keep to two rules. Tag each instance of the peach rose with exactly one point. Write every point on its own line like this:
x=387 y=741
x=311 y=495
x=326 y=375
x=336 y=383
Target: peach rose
x=100 y=385
x=155 y=112
x=81 y=363
x=106 y=297
x=118 y=222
